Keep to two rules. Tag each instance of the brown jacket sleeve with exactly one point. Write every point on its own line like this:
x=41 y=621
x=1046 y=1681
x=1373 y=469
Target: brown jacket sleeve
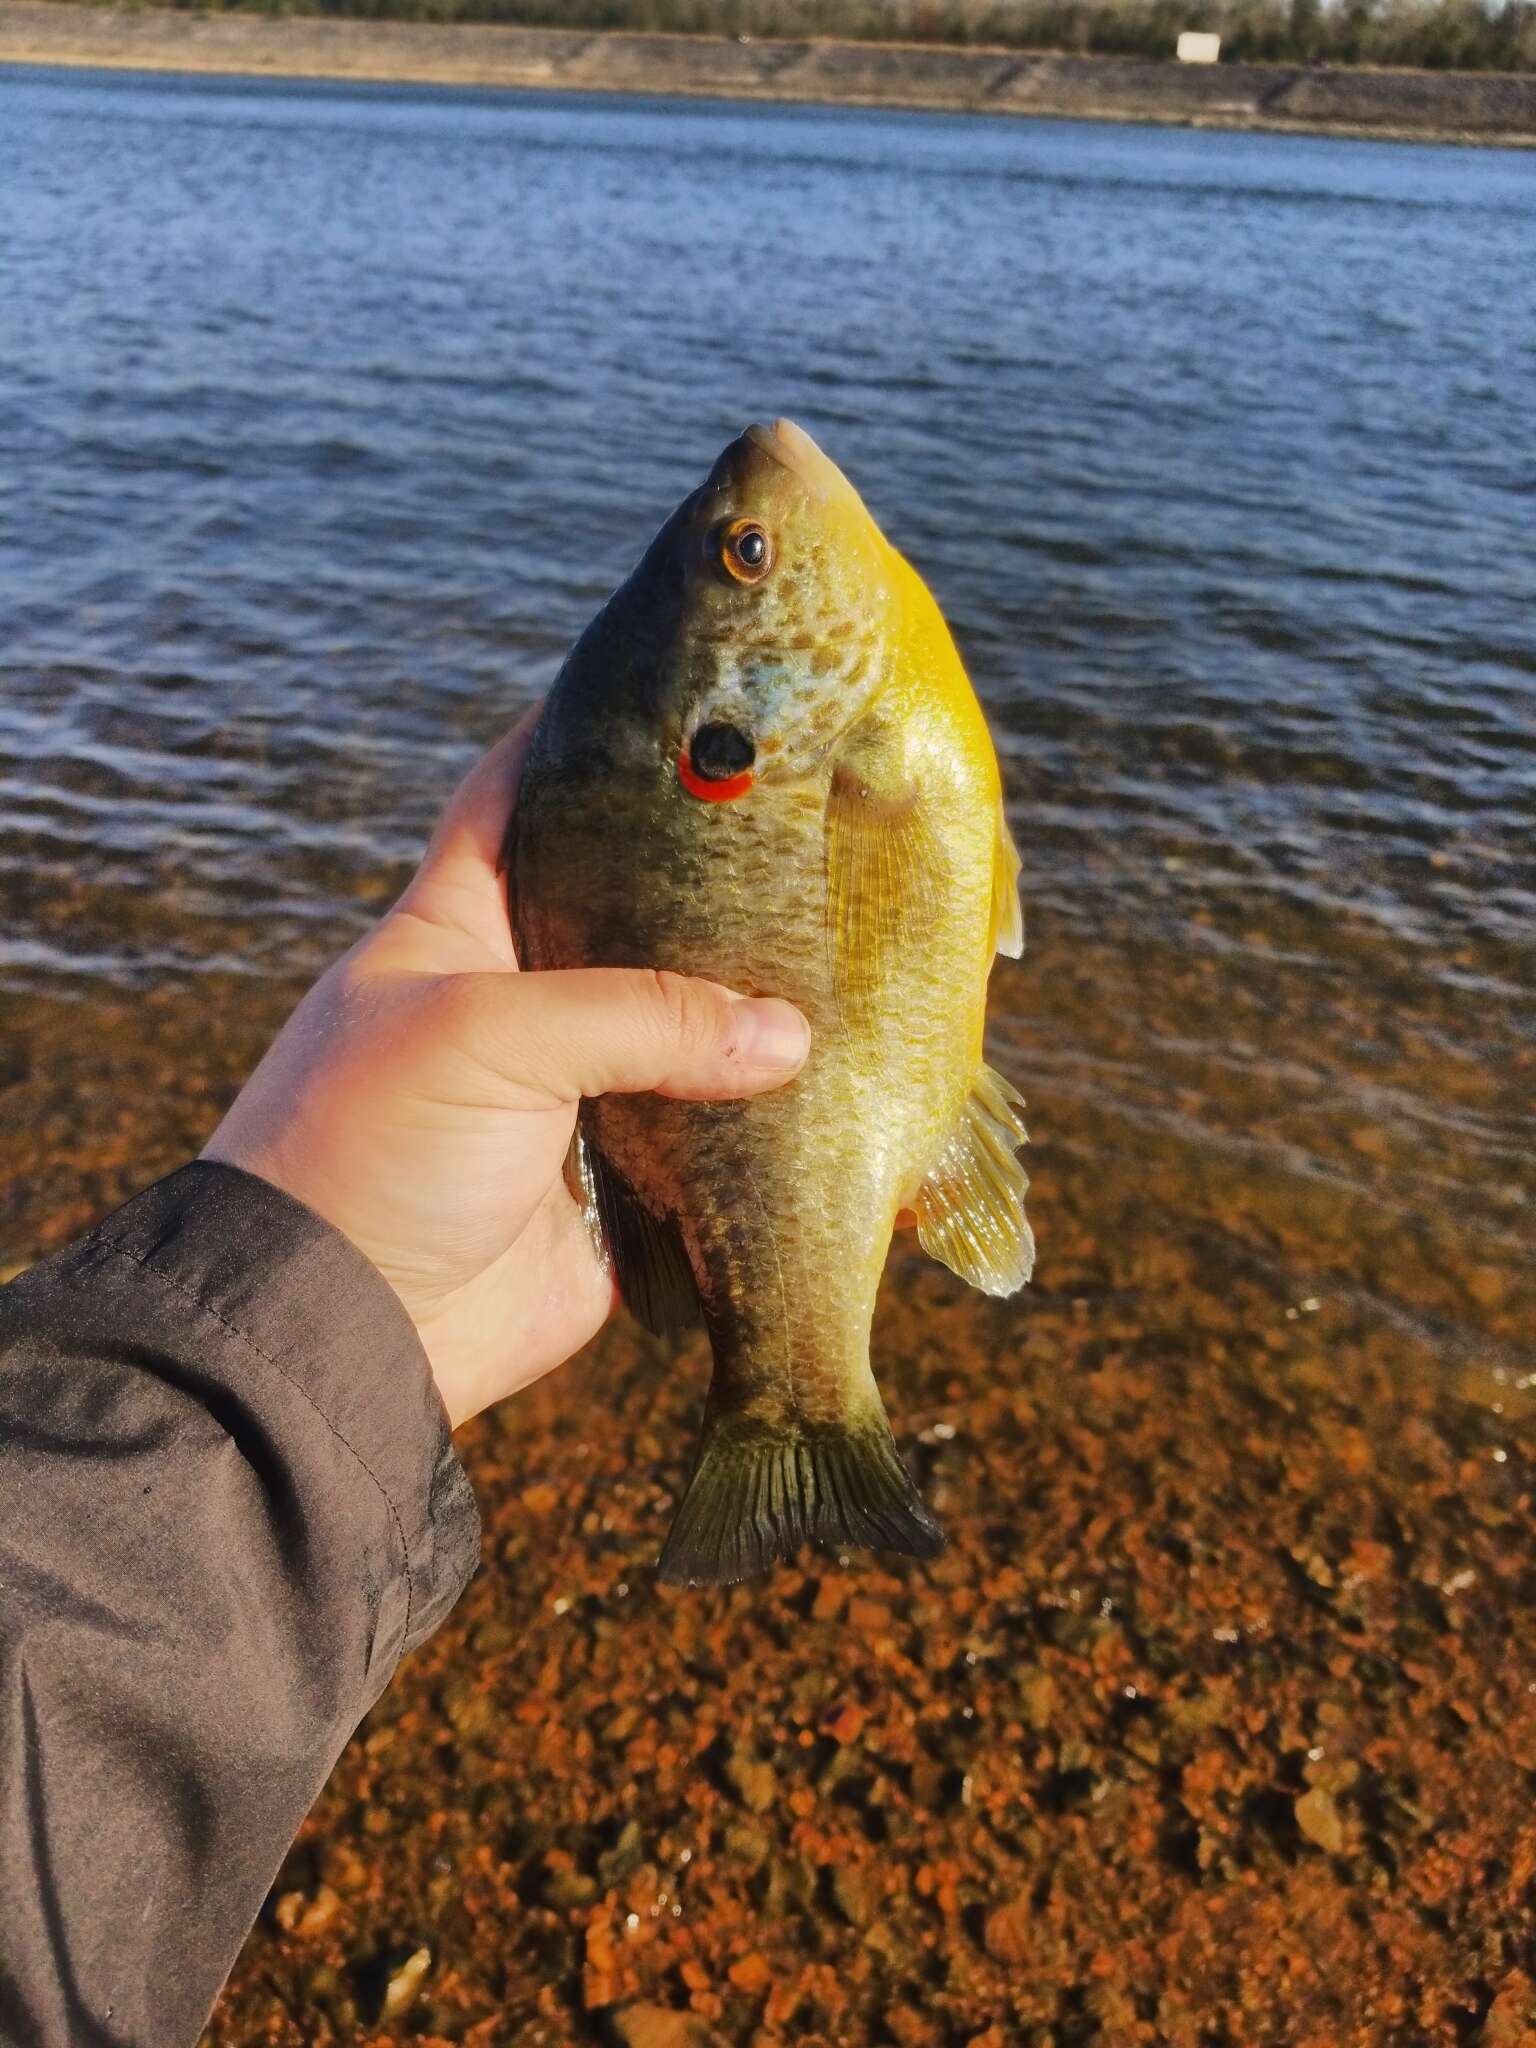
x=228 y=1506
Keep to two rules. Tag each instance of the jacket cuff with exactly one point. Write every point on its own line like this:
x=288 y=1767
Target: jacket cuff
x=339 y=1351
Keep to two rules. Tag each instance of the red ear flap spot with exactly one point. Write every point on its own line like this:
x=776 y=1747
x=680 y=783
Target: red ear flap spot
x=722 y=792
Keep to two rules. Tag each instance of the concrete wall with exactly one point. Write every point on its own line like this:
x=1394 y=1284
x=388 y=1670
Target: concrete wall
x=1469 y=106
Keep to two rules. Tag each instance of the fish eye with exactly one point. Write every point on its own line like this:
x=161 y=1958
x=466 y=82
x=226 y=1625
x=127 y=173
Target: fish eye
x=745 y=552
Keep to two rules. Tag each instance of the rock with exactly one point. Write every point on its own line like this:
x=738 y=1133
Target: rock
x=913 y=2029
x=757 y=1782
x=831 y=1595
x=1315 y=1565
x=1511 y=2019
x=886 y=1943
x=1487 y=1285
x=1006 y=1934
x=856 y=1892
x=626 y=1855
x=844 y=1722
x=597 y=1988
x=751 y=1973
x=843 y=1765
x=927 y=1782
x=344 y=1868
x=1038 y=1696
x=470 y=1708
x=403 y=1983
x=326 y=1990
x=748 y=1843
x=1371 y=1143
x=288 y=1910
x=307 y=1918
x=494 y=1636
x=568 y=1888
x=658 y=2026
x=870 y=1617
x=940 y=1787
x=788 y=1885
x=1320 y=1821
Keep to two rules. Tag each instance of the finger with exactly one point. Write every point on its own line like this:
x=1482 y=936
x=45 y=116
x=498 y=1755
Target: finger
x=458 y=881
x=601 y=1030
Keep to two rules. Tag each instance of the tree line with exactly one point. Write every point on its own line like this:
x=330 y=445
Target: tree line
x=1454 y=35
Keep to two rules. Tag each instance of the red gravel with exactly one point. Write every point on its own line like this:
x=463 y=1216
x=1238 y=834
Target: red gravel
x=1214 y=1725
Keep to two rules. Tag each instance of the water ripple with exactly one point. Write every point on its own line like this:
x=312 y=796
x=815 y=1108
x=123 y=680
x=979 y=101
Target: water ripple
x=334 y=412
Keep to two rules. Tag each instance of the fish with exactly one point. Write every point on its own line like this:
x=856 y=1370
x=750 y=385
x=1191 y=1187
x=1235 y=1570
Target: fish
x=763 y=762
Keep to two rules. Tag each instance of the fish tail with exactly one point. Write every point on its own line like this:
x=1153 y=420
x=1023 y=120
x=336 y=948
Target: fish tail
x=760 y=1489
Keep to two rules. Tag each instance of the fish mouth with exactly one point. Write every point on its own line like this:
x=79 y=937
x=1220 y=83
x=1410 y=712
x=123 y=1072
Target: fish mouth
x=722 y=758
x=721 y=749
x=793 y=449
x=719 y=762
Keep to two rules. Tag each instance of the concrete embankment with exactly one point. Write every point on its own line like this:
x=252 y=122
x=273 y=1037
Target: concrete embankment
x=1420 y=105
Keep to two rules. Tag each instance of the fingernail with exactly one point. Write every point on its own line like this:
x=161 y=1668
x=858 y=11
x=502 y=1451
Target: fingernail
x=771 y=1033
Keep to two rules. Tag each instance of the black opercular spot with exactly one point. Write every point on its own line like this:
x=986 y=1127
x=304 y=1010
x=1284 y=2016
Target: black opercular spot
x=720 y=751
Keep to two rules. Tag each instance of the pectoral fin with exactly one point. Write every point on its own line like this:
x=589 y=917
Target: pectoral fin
x=1007 y=913
x=650 y=1260
x=884 y=879
x=970 y=1209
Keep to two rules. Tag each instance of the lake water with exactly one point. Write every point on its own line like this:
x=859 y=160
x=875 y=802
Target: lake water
x=331 y=413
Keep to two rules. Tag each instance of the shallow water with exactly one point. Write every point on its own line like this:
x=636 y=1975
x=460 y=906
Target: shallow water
x=331 y=413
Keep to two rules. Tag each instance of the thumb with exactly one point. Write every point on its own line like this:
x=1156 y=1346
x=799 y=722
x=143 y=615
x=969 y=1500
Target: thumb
x=600 y=1030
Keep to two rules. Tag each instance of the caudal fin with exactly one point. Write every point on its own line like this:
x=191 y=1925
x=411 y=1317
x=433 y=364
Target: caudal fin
x=758 y=1493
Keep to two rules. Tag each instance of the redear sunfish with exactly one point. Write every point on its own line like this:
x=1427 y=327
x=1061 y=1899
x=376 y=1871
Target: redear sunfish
x=763 y=762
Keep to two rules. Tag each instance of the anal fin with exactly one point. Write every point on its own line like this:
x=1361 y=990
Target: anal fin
x=970 y=1209
x=760 y=1490
x=649 y=1257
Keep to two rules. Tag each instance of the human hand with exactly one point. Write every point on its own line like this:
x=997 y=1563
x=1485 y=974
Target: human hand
x=423 y=1095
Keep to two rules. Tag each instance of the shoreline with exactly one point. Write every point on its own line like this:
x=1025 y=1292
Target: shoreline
x=1494 y=109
